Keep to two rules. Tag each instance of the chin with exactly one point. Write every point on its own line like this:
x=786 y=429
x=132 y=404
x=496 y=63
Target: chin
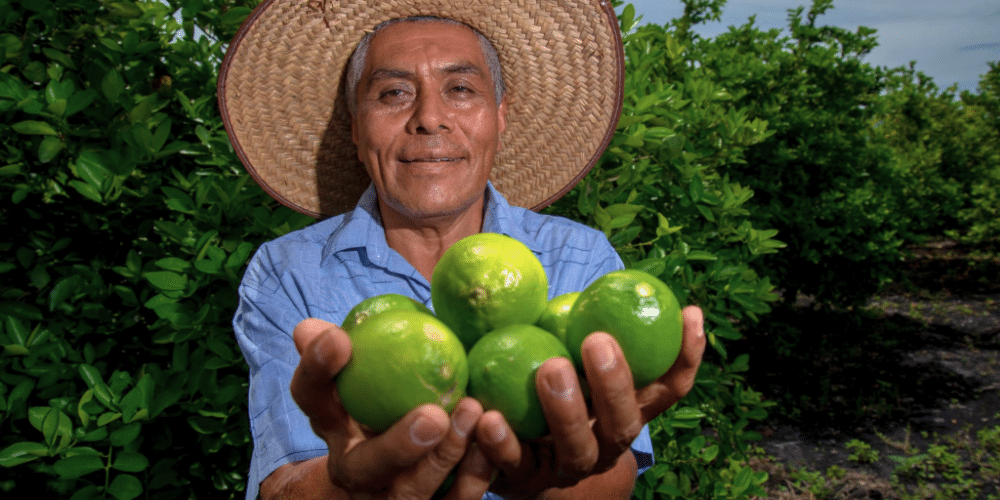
x=433 y=209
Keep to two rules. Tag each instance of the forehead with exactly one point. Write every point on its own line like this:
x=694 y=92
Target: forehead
x=408 y=42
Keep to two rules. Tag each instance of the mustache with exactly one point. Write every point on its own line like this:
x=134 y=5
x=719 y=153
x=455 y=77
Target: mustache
x=434 y=149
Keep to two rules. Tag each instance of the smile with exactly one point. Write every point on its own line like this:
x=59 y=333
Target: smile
x=429 y=160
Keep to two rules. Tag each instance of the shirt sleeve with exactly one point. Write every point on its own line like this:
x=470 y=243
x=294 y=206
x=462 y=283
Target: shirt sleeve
x=263 y=324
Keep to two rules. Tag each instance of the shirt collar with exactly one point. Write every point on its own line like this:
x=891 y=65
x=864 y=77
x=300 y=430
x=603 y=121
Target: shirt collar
x=362 y=227
x=500 y=217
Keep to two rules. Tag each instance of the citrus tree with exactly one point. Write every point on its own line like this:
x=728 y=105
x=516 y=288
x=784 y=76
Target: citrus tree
x=127 y=224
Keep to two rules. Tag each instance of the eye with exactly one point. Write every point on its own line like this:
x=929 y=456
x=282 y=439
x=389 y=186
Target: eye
x=390 y=93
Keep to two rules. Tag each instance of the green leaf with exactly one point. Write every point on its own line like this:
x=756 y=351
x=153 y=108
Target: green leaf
x=87 y=397
x=127 y=10
x=700 y=255
x=696 y=189
x=126 y=434
x=55 y=424
x=92 y=377
x=742 y=480
x=56 y=90
x=235 y=16
x=79 y=101
x=207 y=266
x=11 y=87
x=63 y=289
x=34 y=127
x=86 y=190
x=161 y=135
x=89 y=492
x=19 y=453
x=706 y=212
x=173 y=264
x=167 y=280
x=59 y=57
x=240 y=255
x=92 y=167
x=130 y=42
x=179 y=200
x=18 y=330
x=112 y=85
x=627 y=18
x=78 y=465
x=129 y=461
x=688 y=413
x=107 y=418
x=125 y=487
x=49 y=149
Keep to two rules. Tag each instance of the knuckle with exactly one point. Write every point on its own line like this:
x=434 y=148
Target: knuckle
x=578 y=466
x=622 y=437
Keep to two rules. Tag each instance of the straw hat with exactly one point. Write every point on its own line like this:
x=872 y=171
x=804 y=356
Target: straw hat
x=282 y=96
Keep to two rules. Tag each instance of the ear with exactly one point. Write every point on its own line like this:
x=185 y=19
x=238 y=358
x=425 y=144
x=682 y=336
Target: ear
x=354 y=138
x=501 y=121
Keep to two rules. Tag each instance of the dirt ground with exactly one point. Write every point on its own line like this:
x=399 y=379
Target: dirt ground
x=924 y=371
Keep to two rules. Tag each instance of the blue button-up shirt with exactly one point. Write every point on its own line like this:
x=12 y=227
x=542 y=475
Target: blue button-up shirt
x=324 y=270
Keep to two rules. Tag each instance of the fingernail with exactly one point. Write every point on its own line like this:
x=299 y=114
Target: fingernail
x=604 y=355
x=423 y=432
x=462 y=421
x=496 y=432
x=562 y=383
x=323 y=345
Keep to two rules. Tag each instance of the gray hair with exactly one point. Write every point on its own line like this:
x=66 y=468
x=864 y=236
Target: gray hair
x=356 y=65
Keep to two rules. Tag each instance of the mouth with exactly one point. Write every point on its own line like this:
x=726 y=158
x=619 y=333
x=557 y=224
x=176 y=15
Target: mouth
x=430 y=160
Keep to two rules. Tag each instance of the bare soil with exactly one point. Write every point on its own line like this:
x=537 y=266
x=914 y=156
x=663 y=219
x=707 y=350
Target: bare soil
x=917 y=365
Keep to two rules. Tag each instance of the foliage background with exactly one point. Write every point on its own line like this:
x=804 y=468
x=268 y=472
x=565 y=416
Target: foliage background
x=128 y=221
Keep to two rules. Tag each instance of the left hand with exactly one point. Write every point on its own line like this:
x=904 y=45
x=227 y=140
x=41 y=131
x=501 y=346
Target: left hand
x=579 y=449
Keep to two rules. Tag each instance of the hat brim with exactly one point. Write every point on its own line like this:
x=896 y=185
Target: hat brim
x=282 y=99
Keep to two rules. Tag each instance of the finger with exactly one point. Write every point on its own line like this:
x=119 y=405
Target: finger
x=374 y=463
x=308 y=329
x=473 y=476
x=576 y=448
x=679 y=379
x=612 y=394
x=498 y=443
x=431 y=471
x=324 y=350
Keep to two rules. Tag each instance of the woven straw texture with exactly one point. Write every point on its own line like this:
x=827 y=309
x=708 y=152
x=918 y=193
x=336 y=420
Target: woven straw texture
x=282 y=98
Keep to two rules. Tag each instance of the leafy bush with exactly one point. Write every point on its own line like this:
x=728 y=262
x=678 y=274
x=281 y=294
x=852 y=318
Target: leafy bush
x=979 y=219
x=821 y=178
x=947 y=153
x=127 y=222
x=662 y=195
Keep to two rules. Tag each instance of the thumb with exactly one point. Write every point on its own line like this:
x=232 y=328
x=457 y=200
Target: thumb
x=324 y=349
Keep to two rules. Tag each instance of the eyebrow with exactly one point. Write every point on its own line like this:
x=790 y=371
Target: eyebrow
x=461 y=68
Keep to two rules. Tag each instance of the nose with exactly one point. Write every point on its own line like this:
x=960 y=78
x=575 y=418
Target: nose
x=430 y=115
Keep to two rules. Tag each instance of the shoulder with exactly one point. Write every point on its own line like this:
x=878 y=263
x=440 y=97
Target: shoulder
x=550 y=233
x=302 y=243
x=572 y=253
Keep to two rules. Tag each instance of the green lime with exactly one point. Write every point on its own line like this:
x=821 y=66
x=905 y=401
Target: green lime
x=487 y=281
x=640 y=312
x=379 y=304
x=556 y=315
x=502 y=367
x=400 y=360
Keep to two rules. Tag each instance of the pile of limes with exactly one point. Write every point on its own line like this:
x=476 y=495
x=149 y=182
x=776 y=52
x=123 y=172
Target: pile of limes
x=491 y=329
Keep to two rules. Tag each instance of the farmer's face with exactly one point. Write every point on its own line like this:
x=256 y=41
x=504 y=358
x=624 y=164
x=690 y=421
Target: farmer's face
x=427 y=125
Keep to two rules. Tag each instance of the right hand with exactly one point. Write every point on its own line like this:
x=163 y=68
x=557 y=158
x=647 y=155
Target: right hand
x=411 y=459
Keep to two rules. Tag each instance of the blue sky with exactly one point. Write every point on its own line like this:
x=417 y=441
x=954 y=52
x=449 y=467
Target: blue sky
x=950 y=40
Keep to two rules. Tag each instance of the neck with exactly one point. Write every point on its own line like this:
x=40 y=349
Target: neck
x=423 y=241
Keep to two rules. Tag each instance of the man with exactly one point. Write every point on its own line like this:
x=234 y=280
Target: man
x=428 y=116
